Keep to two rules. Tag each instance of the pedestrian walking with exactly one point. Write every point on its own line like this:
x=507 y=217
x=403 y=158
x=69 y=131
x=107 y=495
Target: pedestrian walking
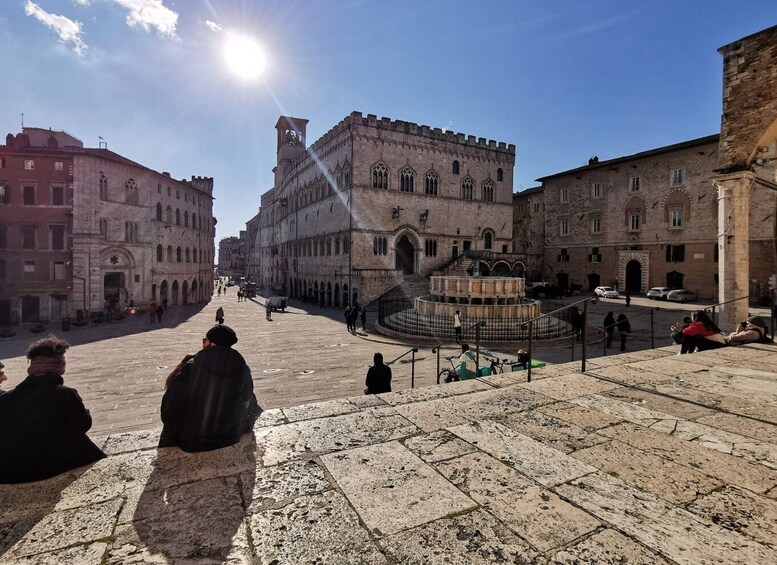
x=609 y=327
x=364 y=318
x=239 y=295
x=220 y=315
x=347 y=315
x=624 y=327
x=152 y=312
x=578 y=321
x=457 y=325
x=159 y=312
x=268 y=310
x=628 y=298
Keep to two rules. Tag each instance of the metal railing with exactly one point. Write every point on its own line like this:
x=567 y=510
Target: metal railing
x=398 y=314
x=712 y=309
x=412 y=351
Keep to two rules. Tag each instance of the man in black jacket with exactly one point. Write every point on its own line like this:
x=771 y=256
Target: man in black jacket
x=44 y=423
x=209 y=402
x=378 y=376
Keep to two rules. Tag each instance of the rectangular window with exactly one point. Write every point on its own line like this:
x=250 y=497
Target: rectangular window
x=29 y=266
x=596 y=225
x=634 y=184
x=564 y=227
x=594 y=257
x=716 y=254
x=28 y=196
x=563 y=257
x=564 y=195
x=430 y=248
x=634 y=222
x=677 y=177
x=28 y=237
x=57 y=237
x=2 y=163
x=29 y=165
x=3 y=236
x=597 y=190
x=675 y=253
x=5 y=194
x=103 y=227
x=58 y=195
x=59 y=166
x=57 y=270
x=677 y=218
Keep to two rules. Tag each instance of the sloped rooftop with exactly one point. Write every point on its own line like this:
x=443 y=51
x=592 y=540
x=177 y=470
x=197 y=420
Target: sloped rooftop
x=650 y=458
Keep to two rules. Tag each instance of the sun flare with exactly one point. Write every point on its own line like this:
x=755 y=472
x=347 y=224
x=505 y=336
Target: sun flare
x=244 y=56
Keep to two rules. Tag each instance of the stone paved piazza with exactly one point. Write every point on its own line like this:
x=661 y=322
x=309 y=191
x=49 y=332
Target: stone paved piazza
x=650 y=459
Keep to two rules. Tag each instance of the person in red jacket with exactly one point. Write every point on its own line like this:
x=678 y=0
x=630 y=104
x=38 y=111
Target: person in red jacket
x=702 y=334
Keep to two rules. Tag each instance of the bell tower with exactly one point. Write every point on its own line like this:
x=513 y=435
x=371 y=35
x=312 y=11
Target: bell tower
x=291 y=144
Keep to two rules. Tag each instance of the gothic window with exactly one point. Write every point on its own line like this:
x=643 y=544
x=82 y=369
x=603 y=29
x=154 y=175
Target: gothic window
x=194 y=221
x=488 y=240
x=345 y=245
x=103 y=187
x=455 y=168
x=177 y=217
x=159 y=211
x=131 y=192
x=346 y=177
x=380 y=176
x=500 y=175
x=488 y=191
x=186 y=219
x=406 y=179
x=178 y=254
x=169 y=253
x=467 y=192
x=159 y=253
x=337 y=246
x=431 y=183
x=188 y=256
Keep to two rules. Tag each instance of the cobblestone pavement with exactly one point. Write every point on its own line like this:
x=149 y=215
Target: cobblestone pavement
x=648 y=459
x=304 y=355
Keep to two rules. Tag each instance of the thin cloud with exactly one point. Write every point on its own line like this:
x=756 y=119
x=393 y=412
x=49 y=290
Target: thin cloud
x=83 y=2
x=69 y=31
x=213 y=26
x=150 y=14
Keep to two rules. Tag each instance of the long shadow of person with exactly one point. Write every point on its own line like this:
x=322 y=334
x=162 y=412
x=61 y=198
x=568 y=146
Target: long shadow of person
x=193 y=506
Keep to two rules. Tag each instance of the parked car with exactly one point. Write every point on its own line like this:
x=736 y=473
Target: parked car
x=681 y=295
x=544 y=290
x=658 y=292
x=606 y=292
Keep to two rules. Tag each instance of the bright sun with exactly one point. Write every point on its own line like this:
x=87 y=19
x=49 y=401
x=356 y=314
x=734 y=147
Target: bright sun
x=244 y=56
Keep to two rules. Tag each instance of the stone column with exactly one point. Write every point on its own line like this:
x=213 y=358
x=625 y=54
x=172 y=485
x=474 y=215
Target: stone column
x=733 y=246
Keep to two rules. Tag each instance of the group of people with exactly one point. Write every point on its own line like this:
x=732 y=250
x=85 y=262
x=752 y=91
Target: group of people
x=700 y=333
x=623 y=326
x=209 y=403
x=155 y=311
x=352 y=314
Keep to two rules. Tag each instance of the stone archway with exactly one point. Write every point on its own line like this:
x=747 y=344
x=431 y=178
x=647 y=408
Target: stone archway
x=633 y=276
x=642 y=257
x=185 y=293
x=174 y=298
x=405 y=255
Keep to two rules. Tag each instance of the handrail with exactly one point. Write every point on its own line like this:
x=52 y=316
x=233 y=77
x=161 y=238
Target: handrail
x=706 y=308
x=412 y=350
x=436 y=349
x=592 y=299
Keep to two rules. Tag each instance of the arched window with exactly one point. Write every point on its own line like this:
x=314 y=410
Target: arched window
x=328 y=246
x=194 y=221
x=346 y=176
x=500 y=176
x=380 y=176
x=169 y=253
x=177 y=217
x=466 y=189
x=488 y=191
x=345 y=245
x=194 y=255
x=160 y=254
x=455 y=168
x=169 y=214
x=178 y=254
x=337 y=246
x=131 y=191
x=103 y=187
x=188 y=256
x=406 y=179
x=488 y=240
x=159 y=211
x=186 y=219
x=431 y=182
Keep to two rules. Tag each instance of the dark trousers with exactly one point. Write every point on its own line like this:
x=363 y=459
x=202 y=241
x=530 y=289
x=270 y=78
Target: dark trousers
x=693 y=343
x=609 y=333
x=623 y=335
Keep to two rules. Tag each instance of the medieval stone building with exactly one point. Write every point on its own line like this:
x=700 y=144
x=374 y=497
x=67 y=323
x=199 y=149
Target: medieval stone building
x=377 y=201
x=81 y=228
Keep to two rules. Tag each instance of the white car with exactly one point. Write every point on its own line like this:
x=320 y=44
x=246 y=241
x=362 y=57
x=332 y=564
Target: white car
x=681 y=295
x=658 y=292
x=606 y=292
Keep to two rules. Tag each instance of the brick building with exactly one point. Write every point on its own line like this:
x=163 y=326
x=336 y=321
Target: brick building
x=649 y=219
x=529 y=230
x=377 y=201
x=82 y=227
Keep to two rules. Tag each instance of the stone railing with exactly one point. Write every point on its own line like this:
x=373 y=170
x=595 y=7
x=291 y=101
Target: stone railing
x=427 y=306
x=498 y=288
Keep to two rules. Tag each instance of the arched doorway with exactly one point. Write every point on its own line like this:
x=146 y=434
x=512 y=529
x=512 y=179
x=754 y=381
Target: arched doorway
x=174 y=298
x=562 y=280
x=328 y=294
x=355 y=297
x=519 y=270
x=633 y=276
x=405 y=256
x=113 y=288
x=185 y=293
x=502 y=269
x=163 y=291
x=594 y=280
x=345 y=295
x=337 y=295
x=675 y=280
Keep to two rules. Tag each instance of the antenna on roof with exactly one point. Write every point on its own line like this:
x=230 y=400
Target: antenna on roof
x=101 y=143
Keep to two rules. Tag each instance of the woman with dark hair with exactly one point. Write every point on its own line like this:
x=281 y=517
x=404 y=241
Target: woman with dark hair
x=702 y=334
x=378 y=376
x=44 y=423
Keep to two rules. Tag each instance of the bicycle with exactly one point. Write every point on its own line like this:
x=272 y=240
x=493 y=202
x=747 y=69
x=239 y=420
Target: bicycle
x=449 y=375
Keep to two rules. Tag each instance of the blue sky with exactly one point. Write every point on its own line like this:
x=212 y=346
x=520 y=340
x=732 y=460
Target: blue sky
x=561 y=79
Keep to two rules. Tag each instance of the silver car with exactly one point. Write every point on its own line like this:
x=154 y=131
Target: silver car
x=681 y=295
x=658 y=292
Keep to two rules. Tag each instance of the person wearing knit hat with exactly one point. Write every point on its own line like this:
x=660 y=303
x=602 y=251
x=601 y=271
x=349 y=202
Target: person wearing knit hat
x=209 y=400
x=752 y=330
x=44 y=423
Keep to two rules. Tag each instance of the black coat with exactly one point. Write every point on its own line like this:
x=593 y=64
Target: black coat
x=43 y=427
x=211 y=403
x=378 y=379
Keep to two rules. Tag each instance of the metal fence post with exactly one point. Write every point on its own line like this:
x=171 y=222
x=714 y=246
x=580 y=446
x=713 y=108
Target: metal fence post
x=771 y=315
x=477 y=348
x=412 y=368
x=652 y=330
x=438 y=365
x=585 y=324
x=531 y=331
